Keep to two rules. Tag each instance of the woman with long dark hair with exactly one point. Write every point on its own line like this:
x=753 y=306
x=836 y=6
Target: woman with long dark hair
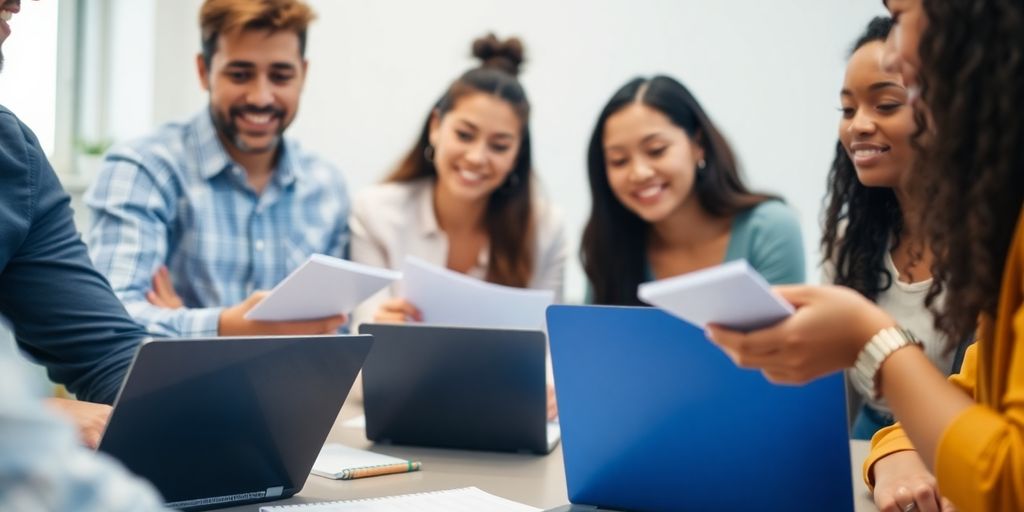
x=872 y=241
x=464 y=196
x=960 y=440
x=667 y=198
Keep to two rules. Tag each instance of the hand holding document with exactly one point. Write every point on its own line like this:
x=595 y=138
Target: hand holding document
x=446 y=297
x=732 y=295
x=323 y=286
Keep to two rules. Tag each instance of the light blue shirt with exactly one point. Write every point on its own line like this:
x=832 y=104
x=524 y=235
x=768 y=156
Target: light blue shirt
x=43 y=466
x=768 y=237
x=176 y=198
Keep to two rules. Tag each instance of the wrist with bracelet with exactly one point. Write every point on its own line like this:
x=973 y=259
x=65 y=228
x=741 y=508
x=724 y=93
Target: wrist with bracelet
x=882 y=345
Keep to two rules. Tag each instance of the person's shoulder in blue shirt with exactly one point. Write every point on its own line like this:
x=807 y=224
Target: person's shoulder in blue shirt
x=62 y=311
x=768 y=237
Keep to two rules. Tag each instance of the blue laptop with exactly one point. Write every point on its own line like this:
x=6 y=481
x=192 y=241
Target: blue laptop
x=655 y=418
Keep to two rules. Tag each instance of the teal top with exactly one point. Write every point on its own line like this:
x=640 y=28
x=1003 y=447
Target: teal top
x=768 y=237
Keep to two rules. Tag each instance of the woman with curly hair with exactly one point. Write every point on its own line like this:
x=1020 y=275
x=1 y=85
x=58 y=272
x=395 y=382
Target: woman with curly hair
x=963 y=59
x=872 y=241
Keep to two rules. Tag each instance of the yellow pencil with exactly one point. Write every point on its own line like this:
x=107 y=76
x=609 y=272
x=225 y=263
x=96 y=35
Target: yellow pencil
x=385 y=469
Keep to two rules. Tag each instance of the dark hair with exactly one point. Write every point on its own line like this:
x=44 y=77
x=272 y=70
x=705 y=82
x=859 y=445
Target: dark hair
x=613 y=251
x=509 y=215
x=972 y=165
x=872 y=214
x=218 y=17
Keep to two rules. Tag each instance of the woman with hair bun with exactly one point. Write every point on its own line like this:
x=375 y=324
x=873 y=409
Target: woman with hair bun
x=463 y=197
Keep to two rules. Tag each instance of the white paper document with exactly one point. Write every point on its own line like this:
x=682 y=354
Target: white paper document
x=357 y=422
x=732 y=295
x=323 y=286
x=468 y=499
x=446 y=297
x=335 y=459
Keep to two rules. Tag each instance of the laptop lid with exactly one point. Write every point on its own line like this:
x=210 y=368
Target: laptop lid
x=656 y=418
x=457 y=387
x=226 y=421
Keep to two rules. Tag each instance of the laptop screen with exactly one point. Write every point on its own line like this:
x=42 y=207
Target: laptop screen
x=656 y=418
x=213 y=422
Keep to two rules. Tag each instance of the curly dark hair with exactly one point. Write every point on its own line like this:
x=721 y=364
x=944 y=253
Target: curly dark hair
x=971 y=168
x=872 y=215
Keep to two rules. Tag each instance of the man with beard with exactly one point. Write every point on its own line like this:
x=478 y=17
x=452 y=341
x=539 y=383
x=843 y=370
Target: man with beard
x=64 y=314
x=190 y=222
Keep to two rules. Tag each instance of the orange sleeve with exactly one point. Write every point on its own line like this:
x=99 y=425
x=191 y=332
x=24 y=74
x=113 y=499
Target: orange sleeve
x=979 y=462
x=893 y=439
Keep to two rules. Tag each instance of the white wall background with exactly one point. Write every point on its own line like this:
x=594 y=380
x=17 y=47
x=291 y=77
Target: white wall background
x=29 y=84
x=767 y=72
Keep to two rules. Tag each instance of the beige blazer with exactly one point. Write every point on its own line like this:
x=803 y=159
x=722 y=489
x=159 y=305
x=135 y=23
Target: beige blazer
x=390 y=221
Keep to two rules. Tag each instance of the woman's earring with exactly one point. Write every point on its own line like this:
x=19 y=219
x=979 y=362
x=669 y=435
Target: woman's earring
x=512 y=181
x=428 y=153
x=701 y=164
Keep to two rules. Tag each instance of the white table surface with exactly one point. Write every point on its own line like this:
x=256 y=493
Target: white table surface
x=531 y=479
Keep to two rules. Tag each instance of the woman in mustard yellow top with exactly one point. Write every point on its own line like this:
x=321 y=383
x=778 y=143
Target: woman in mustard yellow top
x=965 y=59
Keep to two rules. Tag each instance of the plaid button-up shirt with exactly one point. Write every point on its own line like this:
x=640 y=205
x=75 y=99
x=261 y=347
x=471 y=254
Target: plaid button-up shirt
x=177 y=199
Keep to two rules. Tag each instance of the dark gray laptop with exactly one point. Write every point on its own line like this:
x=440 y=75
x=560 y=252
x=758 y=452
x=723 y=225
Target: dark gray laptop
x=457 y=387
x=227 y=421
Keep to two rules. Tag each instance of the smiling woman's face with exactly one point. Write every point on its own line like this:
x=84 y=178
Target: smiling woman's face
x=651 y=163
x=877 y=122
x=476 y=144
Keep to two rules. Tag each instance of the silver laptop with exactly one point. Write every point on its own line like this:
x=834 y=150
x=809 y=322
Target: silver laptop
x=226 y=421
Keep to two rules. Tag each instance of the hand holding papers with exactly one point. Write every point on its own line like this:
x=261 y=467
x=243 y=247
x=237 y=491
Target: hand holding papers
x=323 y=286
x=449 y=298
x=732 y=295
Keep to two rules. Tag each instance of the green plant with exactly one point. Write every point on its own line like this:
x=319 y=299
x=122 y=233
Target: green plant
x=93 y=147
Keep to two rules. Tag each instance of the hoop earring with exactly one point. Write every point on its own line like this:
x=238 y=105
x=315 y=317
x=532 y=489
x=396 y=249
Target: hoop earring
x=428 y=153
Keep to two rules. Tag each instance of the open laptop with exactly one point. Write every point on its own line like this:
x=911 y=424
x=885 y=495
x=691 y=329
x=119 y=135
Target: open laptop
x=227 y=421
x=656 y=418
x=457 y=387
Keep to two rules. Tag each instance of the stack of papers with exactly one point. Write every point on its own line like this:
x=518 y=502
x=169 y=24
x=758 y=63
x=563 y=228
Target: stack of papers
x=323 y=286
x=446 y=297
x=468 y=499
x=732 y=295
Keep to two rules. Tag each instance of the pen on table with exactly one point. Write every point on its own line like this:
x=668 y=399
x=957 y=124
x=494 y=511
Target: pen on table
x=386 y=469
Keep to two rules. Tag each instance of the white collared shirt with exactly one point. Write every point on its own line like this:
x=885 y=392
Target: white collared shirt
x=393 y=220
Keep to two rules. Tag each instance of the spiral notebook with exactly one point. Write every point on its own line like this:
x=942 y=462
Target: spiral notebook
x=467 y=499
